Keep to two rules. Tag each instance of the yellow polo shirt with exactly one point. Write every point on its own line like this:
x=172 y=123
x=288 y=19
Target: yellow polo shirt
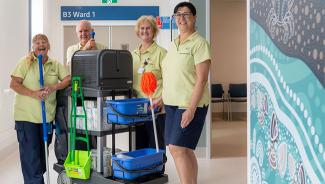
x=150 y=60
x=179 y=74
x=27 y=108
x=73 y=48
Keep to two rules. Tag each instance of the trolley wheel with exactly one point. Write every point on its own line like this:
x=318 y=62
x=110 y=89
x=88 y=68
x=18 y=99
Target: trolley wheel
x=63 y=178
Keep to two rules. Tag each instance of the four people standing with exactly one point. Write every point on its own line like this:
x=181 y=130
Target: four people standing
x=182 y=76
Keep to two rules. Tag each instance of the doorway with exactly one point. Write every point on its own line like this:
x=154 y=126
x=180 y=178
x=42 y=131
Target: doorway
x=229 y=65
x=114 y=37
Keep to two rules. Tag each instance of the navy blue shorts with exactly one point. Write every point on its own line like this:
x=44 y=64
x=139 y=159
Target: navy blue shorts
x=185 y=137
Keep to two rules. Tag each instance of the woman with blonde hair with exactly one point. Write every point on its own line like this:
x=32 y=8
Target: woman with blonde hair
x=27 y=107
x=148 y=57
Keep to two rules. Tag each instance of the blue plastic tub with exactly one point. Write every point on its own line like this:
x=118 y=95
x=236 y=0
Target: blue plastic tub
x=134 y=164
x=128 y=111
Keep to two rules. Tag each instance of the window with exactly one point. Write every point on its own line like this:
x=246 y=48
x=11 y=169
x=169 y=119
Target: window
x=37 y=17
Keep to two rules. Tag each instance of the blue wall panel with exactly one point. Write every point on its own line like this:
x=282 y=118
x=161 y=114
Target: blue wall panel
x=287 y=91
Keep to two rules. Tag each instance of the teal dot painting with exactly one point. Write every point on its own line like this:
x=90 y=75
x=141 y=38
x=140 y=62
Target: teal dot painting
x=287 y=92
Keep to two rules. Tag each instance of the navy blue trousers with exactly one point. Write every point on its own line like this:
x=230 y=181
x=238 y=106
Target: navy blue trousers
x=31 y=149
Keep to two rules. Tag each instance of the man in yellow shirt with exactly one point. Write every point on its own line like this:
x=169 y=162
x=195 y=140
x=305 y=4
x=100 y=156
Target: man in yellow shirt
x=83 y=30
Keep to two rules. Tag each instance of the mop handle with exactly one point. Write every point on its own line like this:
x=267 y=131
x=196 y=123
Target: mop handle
x=154 y=124
x=41 y=80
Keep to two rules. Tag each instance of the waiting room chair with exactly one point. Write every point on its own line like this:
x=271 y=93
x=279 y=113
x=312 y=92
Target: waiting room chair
x=236 y=93
x=217 y=94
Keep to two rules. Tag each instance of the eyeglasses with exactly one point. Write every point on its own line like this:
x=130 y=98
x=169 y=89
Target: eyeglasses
x=179 y=15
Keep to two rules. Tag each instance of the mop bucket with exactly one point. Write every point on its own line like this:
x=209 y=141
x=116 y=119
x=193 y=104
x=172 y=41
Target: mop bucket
x=80 y=167
x=128 y=111
x=138 y=163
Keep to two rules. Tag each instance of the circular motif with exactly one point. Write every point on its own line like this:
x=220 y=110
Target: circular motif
x=291 y=166
x=256 y=177
x=302 y=107
x=298 y=101
x=309 y=121
x=305 y=113
x=320 y=148
x=301 y=174
x=316 y=139
x=272 y=158
x=274 y=129
x=312 y=130
x=260 y=152
x=282 y=158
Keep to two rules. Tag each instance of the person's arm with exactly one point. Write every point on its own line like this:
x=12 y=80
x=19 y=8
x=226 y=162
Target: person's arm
x=202 y=74
x=16 y=84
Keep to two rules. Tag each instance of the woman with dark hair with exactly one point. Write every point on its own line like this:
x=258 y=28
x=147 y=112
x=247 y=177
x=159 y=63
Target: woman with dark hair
x=185 y=92
x=27 y=107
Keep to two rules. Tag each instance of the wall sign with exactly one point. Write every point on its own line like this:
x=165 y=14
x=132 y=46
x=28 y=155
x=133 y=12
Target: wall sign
x=163 y=22
x=109 y=1
x=69 y=13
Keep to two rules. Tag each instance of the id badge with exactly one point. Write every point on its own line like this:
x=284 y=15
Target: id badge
x=140 y=70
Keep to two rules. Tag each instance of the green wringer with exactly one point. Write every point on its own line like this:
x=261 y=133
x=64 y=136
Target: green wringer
x=78 y=162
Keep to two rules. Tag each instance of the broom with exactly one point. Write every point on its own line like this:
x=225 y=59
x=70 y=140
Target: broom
x=148 y=87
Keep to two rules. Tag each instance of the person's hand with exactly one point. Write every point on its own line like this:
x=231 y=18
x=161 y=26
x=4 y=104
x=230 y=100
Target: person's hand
x=49 y=90
x=40 y=94
x=187 y=117
x=90 y=45
x=157 y=102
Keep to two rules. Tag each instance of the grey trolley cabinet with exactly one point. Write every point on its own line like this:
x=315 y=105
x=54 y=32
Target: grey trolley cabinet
x=105 y=75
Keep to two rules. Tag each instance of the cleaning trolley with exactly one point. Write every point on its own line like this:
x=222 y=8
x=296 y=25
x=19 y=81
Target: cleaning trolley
x=104 y=76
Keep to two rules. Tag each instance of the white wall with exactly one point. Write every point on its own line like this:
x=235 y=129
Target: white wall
x=228 y=46
x=13 y=45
